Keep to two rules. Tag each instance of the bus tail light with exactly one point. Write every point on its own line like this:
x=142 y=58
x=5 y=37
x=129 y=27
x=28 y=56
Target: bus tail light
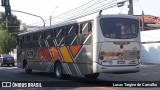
x=102 y=53
x=101 y=57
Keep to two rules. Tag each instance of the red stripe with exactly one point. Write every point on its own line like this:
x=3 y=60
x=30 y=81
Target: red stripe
x=46 y=54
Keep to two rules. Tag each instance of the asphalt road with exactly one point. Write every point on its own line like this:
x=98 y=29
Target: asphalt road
x=147 y=73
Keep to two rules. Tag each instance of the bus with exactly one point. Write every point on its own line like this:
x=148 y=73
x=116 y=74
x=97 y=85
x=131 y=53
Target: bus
x=86 y=46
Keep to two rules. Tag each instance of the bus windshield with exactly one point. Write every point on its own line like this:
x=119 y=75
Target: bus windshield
x=119 y=28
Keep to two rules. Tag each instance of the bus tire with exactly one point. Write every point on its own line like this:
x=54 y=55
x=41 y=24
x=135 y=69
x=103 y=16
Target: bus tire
x=13 y=64
x=27 y=70
x=92 y=76
x=59 y=70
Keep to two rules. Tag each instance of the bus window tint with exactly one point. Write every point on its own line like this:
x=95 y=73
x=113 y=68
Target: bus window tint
x=119 y=28
x=72 y=30
x=84 y=28
x=85 y=31
x=35 y=37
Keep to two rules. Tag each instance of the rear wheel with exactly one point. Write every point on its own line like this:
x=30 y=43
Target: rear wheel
x=13 y=64
x=59 y=70
x=92 y=76
x=27 y=70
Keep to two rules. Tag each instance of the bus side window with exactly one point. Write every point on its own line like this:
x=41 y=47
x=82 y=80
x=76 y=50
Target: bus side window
x=40 y=35
x=31 y=37
x=90 y=27
x=35 y=37
x=45 y=34
x=72 y=32
x=62 y=35
x=56 y=32
x=51 y=33
x=66 y=31
x=28 y=38
x=85 y=28
x=22 y=38
x=61 y=31
x=72 y=29
x=85 y=31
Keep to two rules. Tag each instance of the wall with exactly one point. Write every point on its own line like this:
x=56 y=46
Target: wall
x=150 y=47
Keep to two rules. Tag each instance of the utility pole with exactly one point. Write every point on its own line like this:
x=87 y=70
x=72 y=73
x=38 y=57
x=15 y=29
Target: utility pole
x=50 y=17
x=130 y=6
x=142 y=21
x=7 y=23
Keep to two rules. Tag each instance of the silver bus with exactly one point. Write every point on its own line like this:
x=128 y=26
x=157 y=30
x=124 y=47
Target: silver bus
x=86 y=46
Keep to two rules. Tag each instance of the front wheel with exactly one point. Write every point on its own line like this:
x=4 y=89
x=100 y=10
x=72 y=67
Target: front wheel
x=92 y=76
x=58 y=70
x=13 y=64
x=27 y=70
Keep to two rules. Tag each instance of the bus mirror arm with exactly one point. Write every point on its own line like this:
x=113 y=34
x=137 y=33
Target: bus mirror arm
x=100 y=12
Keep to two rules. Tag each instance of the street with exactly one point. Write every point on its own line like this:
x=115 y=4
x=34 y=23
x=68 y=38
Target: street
x=147 y=73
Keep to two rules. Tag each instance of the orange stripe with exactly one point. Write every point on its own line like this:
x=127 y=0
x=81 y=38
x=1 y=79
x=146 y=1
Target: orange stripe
x=74 y=49
x=65 y=53
x=55 y=53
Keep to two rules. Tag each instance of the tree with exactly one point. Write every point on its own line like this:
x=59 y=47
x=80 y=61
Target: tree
x=7 y=42
x=12 y=21
x=7 y=34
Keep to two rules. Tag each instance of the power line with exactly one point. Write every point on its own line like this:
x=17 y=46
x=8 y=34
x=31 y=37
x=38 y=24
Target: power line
x=86 y=9
x=92 y=10
x=139 y=5
x=121 y=7
x=89 y=4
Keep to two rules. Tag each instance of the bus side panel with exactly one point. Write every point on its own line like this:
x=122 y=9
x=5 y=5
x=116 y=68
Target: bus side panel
x=80 y=64
x=19 y=58
x=84 y=59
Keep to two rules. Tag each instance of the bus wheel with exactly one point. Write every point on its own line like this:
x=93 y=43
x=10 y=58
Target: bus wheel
x=27 y=70
x=13 y=64
x=92 y=76
x=58 y=70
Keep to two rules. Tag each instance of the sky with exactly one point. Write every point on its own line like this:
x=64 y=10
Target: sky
x=46 y=8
